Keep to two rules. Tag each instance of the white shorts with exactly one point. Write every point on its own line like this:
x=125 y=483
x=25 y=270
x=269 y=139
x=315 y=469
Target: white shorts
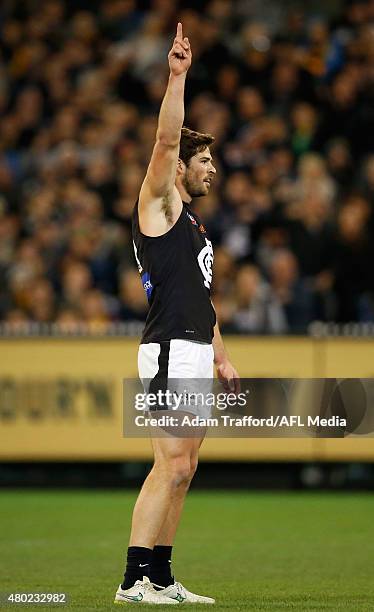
x=178 y=365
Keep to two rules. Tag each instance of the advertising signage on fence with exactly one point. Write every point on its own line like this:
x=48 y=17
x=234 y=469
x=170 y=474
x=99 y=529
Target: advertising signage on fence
x=62 y=399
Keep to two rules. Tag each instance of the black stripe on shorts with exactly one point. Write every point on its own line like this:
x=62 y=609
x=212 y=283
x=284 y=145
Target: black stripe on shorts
x=160 y=381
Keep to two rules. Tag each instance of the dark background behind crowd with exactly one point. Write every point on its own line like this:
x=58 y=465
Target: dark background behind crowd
x=288 y=93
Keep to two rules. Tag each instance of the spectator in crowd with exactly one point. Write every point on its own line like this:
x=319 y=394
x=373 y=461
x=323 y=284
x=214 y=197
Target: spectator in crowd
x=353 y=279
x=257 y=308
x=289 y=97
x=291 y=291
x=133 y=303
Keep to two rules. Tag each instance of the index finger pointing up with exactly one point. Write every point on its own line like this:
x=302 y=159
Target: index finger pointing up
x=179 y=30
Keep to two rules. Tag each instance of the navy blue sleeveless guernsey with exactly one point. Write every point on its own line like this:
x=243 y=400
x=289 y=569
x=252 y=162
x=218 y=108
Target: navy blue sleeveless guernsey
x=176 y=273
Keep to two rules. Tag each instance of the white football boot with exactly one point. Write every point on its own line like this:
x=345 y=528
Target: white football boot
x=142 y=592
x=177 y=592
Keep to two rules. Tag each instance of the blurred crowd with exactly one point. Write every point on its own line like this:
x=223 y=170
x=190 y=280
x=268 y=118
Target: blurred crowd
x=289 y=98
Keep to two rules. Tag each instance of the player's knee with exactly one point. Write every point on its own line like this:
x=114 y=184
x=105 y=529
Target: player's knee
x=180 y=471
x=193 y=466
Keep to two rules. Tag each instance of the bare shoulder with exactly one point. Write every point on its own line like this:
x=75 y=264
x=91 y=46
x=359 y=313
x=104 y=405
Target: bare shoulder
x=158 y=214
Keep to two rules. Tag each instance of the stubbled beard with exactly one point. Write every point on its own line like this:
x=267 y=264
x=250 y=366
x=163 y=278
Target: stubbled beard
x=193 y=189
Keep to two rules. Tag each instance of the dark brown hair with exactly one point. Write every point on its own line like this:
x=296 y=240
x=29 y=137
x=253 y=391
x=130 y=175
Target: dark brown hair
x=192 y=143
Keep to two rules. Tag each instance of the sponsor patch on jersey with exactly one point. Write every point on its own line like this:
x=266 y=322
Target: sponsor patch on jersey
x=192 y=219
x=202 y=229
x=146 y=281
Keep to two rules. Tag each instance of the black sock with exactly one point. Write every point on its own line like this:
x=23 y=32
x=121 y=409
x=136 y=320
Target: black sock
x=138 y=565
x=161 y=566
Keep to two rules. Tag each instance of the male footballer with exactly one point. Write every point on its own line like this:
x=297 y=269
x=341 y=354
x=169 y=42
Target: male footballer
x=181 y=338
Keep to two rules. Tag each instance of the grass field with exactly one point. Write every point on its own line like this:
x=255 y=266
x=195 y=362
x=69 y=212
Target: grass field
x=251 y=551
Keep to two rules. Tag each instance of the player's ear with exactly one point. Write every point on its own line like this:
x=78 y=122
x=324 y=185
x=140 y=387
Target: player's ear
x=181 y=167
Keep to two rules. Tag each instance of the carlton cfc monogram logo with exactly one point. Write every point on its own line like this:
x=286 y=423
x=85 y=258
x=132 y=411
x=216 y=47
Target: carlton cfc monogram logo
x=205 y=260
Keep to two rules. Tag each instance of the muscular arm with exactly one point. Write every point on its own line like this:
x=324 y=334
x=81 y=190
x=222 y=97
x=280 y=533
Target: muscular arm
x=171 y=117
x=159 y=200
x=220 y=354
x=156 y=194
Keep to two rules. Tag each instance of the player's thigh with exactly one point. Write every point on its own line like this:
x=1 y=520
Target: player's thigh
x=169 y=450
x=166 y=448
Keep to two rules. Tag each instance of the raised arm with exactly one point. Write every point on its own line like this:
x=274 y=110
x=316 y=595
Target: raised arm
x=159 y=201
